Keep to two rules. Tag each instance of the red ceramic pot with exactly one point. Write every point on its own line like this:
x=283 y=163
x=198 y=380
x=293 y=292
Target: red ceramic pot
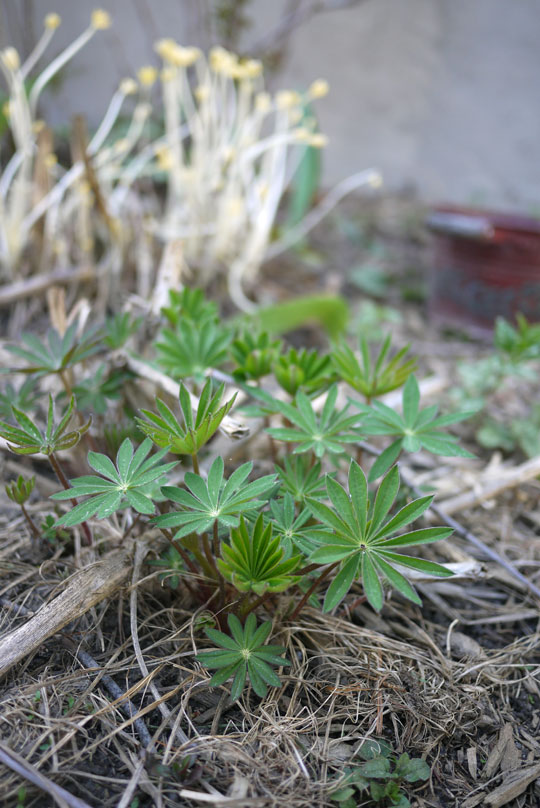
x=485 y=265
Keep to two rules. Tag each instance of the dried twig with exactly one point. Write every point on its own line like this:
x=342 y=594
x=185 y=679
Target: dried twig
x=18 y=764
x=84 y=590
x=519 y=474
x=38 y=284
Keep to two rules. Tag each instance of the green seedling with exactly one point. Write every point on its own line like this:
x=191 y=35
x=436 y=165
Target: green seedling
x=24 y=398
x=362 y=541
x=255 y=562
x=173 y=563
x=324 y=434
x=372 y=378
x=415 y=429
x=128 y=482
x=215 y=502
x=19 y=491
x=57 y=353
x=119 y=328
x=382 y=774
x=254 y=355
x=94 y=393
x=296 y=531
x=303 y=370
x=28 y=438
x=244 y=654
x=192 y=347
x=189 y=304
x=189 y=437
x=301 y=478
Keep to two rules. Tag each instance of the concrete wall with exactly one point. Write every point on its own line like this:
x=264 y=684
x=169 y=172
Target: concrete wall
x=441 y=95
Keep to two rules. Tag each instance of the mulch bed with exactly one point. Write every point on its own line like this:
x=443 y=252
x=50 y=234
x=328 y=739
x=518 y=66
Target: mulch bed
x=456 y=682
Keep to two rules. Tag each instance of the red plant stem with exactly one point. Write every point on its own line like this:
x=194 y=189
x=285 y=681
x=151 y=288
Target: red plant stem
x=63 y=481
x=215 y=545
x=215 y=539
x=209 y=555
x=312 y=589
x=30 y=522
x=180 y=550
x=256 y=603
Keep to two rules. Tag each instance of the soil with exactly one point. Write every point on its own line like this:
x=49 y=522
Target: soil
x=456 y=682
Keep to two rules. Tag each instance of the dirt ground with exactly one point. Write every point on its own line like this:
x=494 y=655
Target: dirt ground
x=455 y=682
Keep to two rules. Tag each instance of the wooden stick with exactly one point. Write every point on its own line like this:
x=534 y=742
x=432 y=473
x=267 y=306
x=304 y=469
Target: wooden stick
x=519 y=474
x=21 y=766
x=37 y=284
x=84 y=590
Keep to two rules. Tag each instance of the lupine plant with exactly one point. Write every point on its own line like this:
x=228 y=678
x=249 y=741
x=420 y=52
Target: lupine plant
x=240 y=538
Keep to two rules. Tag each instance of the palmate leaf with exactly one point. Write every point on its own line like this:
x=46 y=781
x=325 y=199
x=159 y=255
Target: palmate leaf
x=255 y=561
x=363 y=541
x=29 y=438
x=188 y=437
x=304 y=370
x=415 y=429
x=295 y=531
x=58 y=352
x=128 y=482
x=192 y=347
x=214 y=499
x=370 y=378
x=322 y=434
x=243 y=654
x=254 y=355
x=300 y=478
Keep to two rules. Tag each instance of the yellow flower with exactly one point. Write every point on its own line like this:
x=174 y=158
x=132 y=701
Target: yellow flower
x=170 y=51
x=285 y=99
x=164 y=158
x=100 y=19
x=147 y=75
x=11 y=59
x=319 y=89
x=202 y=92
x=52 y=21
x=263 y=103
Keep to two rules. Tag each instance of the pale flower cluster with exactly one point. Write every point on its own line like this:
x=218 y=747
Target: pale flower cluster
x=228 y=154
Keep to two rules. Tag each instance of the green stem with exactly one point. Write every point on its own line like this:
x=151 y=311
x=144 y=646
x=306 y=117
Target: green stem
x=195 y=461
x=53 y=460
x=312 y=589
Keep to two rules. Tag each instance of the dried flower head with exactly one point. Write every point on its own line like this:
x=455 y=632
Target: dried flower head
x=52 y=21
x=147 y=75
x=319 y=89
x=100 y=19
x=128 y=86
x=10 y=58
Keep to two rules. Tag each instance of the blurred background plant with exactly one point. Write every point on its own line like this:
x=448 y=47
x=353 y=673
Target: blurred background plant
x=195 y=186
